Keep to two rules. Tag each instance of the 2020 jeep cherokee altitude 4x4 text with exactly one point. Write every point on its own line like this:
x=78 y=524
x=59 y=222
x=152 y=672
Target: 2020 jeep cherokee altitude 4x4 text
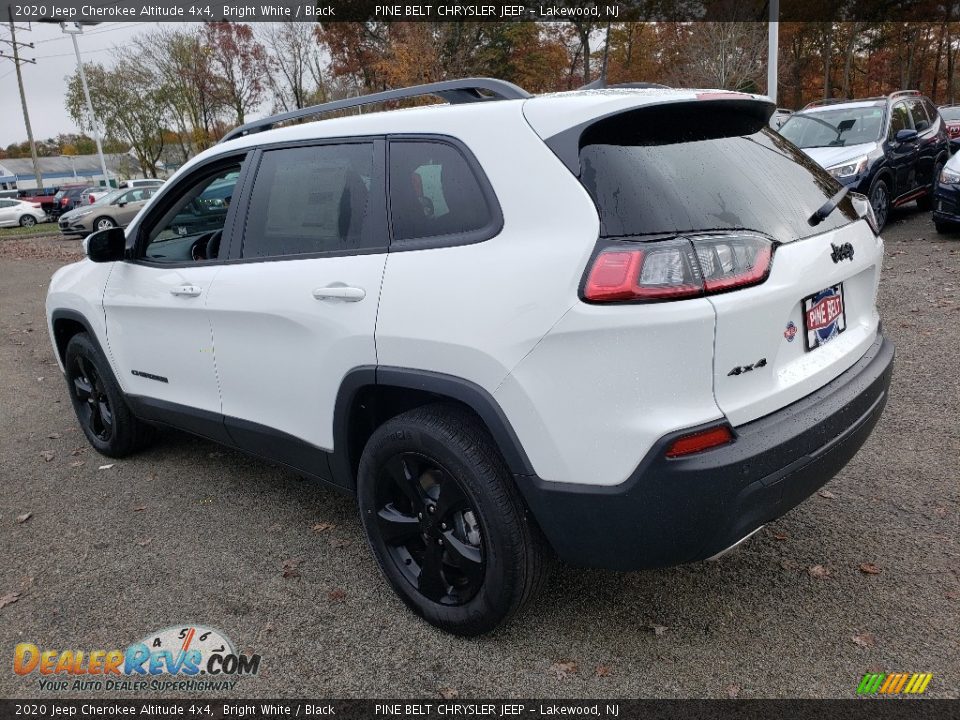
x=623 y=327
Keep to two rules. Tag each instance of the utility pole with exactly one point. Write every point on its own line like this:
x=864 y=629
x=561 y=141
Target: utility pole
x=23 y=98
x=773 y=49
x=77 y=29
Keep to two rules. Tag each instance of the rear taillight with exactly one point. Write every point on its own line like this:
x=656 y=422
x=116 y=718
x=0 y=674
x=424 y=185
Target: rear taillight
x=92 y=199
x=35 y=205
x=700 y=441
x=679 y=268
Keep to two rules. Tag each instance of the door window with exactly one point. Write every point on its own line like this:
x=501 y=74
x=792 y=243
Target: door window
x=434 y=192
x=310 y=200
x=900 y=119
x=192 y=226
x=919 y=114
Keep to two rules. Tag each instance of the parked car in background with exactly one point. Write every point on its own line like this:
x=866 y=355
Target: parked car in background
x=890 y=148
x=946 y=200
x=43 y=196
x=69 y=197
x=19 y=212
x=140 y=182
x=97 y=193
x=779 y=117
x=951 y=117
x=116 y=209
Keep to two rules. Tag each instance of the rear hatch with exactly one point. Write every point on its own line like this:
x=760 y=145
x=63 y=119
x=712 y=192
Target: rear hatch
x=709 y=170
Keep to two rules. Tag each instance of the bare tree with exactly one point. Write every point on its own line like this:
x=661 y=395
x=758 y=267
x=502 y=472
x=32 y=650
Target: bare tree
x=730 y=55
x=292 y=65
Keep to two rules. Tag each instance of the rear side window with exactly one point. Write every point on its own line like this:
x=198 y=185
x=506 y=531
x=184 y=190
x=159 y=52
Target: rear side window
x=919 y=113
x=686 y=168
x=311 y=200
x=435 y=195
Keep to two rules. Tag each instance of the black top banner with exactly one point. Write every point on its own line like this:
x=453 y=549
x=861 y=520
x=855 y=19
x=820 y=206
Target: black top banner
x=97 y=11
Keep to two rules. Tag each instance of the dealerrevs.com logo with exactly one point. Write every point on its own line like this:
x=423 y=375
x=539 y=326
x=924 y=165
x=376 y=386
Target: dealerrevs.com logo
x=180 y=658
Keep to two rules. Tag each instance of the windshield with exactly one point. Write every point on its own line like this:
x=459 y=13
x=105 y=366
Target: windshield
x=109 y=197
x=689 y=179
x=950 y=113
x=835 y=127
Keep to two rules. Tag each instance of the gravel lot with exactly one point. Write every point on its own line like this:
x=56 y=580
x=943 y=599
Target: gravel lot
x=188 y=531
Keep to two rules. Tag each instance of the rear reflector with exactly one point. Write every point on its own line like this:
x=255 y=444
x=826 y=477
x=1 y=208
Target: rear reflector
x=699 y=441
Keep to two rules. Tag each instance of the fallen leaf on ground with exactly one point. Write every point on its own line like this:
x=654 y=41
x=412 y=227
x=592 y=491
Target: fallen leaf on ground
x=78 y=451
x=603 y=671
x=144 y=542
x=732 y=690
x=76 y=463
x=788 y=565
x=47 y=455
x=865 y=640
x=23 y=518
x=952 y=595
x=339 y=543
x=337 y=595
x=140 y=508
x=290 y=569
x=658 y=630
x=53 y=436
x=563 y=669
x=869 y=569
x=322 y=527
x=106 y=467
x=449 y=693
x=826 y=494
x=940 y=511
x=9 y=599
x=780 y=535
x=818 y=571
x=152 y=477
x=268 y=627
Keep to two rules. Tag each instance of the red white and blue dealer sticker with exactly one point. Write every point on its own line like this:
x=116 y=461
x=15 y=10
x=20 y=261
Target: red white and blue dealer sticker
x=824 y=316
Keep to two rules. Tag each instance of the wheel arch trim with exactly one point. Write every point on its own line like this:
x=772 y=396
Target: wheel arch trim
x=442 y=385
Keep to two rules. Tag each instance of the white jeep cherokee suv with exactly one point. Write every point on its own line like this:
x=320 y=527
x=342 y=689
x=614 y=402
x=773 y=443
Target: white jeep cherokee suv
x=622 y=327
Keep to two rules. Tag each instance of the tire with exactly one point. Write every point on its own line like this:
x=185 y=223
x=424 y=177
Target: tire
x=27 y=221
x=98 y=401
x=103 y=223
x=446 y=523
x=880 y=200
x=926 y=202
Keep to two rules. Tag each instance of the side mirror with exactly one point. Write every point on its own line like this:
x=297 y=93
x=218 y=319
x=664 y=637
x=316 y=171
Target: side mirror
x=121 y=204
x=906 y=135
x=108 y=245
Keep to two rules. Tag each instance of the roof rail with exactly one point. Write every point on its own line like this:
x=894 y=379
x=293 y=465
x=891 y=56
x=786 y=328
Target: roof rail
x=913 y=93
x=454 y=92
x=825 y=101
x=601 y=84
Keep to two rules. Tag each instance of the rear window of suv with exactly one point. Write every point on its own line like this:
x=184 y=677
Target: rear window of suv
x=684 y=168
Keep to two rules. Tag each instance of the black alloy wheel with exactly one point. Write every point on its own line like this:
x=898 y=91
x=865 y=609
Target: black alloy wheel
x=90 y=399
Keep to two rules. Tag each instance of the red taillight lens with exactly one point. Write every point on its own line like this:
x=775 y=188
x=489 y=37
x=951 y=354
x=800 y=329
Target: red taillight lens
x=699 y=441
x=678 y=268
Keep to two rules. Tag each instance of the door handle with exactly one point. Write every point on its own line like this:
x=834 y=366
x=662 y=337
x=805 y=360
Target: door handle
x=340 y=292
x=186 y=291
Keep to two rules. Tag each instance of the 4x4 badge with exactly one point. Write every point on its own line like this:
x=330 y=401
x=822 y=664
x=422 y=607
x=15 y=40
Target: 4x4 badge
x=841 y=252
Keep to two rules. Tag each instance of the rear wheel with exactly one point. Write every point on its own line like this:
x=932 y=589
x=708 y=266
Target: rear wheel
x=445 y=522
x=98 y=401
x=27 y=221
x=880 y=200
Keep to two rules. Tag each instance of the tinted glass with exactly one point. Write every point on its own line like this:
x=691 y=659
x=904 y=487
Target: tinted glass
x=311 y=200
x=754 y=181
x=433 y=192
x=7 y=204
x=822 y=128
x=919 y=112
x=900 y=119
x=196 y=218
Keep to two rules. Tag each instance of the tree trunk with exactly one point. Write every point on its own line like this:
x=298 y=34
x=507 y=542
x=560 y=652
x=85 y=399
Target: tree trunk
x=827 y=50
x=848 y=58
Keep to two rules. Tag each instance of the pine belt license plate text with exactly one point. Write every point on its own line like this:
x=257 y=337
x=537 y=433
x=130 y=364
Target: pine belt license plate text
x=824 y=316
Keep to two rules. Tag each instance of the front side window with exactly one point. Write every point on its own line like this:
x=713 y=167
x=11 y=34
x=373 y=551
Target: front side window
x=434 y=192
x=191 y=228
x=311 y=200
x=919 y=113
x=900 y=119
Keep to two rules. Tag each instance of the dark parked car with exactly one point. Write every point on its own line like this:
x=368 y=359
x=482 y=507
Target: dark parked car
x=951 y=116
x=69 y=197
x=890 y=149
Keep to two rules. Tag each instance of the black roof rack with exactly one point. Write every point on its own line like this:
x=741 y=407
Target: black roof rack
x=454 y=92
x=832 y=101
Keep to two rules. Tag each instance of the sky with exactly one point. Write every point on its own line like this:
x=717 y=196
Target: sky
x=45 y=82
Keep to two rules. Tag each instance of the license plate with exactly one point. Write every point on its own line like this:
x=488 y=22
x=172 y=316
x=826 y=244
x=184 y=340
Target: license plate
x=824 y=316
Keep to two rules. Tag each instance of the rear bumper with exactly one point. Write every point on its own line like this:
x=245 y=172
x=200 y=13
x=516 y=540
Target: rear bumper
x=673 y=511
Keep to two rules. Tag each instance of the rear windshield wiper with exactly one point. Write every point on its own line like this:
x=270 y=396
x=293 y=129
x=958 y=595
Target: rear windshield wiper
x=828 y=207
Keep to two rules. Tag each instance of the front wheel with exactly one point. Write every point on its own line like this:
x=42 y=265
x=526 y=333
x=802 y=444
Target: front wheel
x=446 y=523
x=945 y=228
x=880 y=200
x=27 y=221
x=98 y=401
x=103 y=223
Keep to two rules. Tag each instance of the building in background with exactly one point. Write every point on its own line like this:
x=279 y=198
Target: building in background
x=17 y=173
